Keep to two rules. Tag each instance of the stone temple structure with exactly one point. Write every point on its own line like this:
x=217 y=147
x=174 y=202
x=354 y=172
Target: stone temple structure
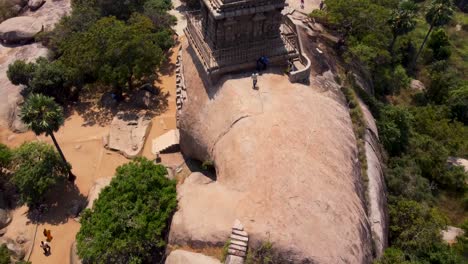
x=230 y=35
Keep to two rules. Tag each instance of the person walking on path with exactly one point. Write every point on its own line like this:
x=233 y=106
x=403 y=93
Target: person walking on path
x=254 y=79
x=48 y=235
x=302 y=4
x=46 y=247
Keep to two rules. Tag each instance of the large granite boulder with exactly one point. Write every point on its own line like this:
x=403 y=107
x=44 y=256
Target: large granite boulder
x=35 y=4
x=286 y=166
x=19 y=29
x=128 y=132
x=185 y=257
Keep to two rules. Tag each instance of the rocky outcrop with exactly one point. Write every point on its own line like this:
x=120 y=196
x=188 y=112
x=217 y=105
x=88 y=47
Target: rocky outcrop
x=128 y=133
x=94 y=192
x=287 y=168
x=186 y=257
x=376 y=188
x=19 y=29
x=35 y=4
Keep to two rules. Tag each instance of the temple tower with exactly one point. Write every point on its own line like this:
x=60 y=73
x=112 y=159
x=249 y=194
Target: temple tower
x=230 y=35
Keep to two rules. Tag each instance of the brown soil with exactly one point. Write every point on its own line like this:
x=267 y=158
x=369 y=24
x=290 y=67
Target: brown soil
x=82 y=146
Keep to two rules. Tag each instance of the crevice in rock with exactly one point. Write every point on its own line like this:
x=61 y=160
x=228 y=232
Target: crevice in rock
x=227 y=131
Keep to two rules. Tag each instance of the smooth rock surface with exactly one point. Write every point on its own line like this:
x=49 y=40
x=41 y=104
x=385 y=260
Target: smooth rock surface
x=35 y=4
x=94 y=192
x=185 y=257
x=19 y=29
x=451 y=233
x=286 y=163
x=128 y=133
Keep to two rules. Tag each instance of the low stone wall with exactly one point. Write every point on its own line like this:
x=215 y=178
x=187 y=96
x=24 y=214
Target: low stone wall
x=303 y=74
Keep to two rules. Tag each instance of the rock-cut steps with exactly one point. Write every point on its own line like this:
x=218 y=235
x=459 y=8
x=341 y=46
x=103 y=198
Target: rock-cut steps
x=238 y=245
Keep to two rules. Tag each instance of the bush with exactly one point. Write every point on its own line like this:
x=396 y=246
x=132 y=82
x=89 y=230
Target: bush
x=440 y=45
x=37 y=168
x=5 y=157
x=130 y=219
x=394 y=129
x=4 y=255
x=415 y=227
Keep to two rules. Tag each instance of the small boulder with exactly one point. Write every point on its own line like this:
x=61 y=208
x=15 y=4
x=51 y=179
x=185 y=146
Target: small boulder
x=35 y=4
x=21 y=239
x=142 y=99
x=108 y=100
x=75 y=208
x=17 y=251
x=5 y=218
x=20 y=29
x=451 y=233
x=417 y=85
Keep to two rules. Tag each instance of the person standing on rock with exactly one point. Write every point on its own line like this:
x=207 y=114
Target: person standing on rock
x=302 y=4
x=254 y=79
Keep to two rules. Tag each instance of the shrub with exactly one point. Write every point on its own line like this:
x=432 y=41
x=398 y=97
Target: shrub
x=129 y=220
x=4 y=255
x=394 y=129
x=37 y=168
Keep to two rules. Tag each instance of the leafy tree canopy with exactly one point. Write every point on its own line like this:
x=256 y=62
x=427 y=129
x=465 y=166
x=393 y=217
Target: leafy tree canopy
x=129 y=221
x=42 y=114
x=37 y=168
x=114 y=51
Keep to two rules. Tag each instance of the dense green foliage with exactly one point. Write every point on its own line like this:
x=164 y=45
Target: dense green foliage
x=115 y=52
x=114 y=43
x=4 y=255
x=421 y=129
x=37 y=167
x=129 y=220
x=5 y=156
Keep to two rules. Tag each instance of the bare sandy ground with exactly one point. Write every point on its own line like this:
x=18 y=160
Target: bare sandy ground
x=82 y=146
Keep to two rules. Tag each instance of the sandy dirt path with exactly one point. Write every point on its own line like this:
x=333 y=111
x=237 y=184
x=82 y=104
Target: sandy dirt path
x=82 y=146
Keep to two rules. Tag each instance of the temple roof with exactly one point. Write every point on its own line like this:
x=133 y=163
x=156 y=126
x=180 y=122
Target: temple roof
x=230 y=8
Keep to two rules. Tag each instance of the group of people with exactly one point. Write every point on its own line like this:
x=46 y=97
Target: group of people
x=45 y=245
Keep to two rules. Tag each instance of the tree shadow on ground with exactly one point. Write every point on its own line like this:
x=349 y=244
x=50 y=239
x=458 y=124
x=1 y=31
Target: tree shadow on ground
x=63 y=201
x=98 y=112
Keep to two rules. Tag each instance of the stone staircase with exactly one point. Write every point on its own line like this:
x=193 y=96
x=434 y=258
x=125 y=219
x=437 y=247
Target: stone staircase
x=238 y=245
x=181 y=89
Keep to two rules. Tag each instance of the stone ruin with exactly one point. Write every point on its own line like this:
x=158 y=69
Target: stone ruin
x=231 y=35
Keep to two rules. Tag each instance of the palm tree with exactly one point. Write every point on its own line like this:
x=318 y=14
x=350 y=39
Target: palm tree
x=402 y=21
x=440 y=13
x=43 y=115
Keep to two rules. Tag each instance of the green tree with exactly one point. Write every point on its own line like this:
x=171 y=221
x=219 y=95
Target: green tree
x=440 y=45
x=4 y=255
x=20 y=72
x=414 y=227
x=393 y=256
x=115 y=52
x=440 y=13
x=129 y=221
x=37 y=168
x=120 y=9
x=43 y=116
x=5 y=157
x=458 y=102
x=394 y=129
x=402 y=21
